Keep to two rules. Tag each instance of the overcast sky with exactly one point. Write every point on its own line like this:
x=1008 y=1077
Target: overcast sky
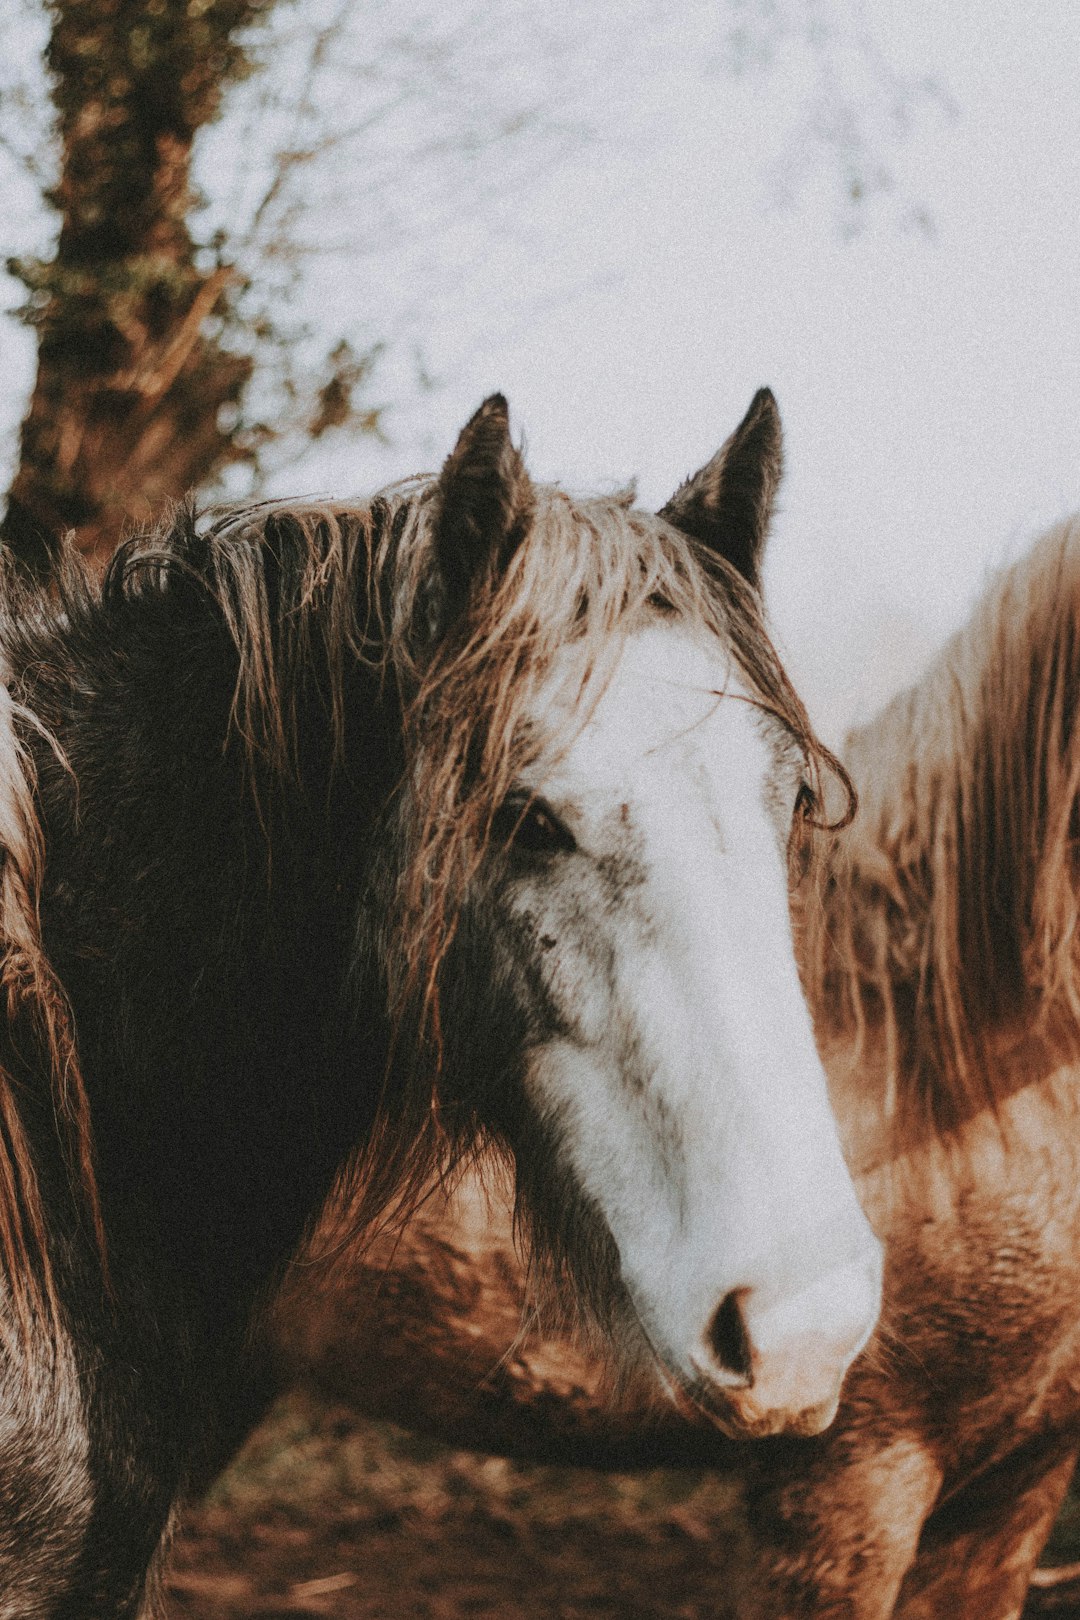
x=683 y=237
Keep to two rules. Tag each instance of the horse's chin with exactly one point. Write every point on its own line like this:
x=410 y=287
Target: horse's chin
x=645 y=1376
x=738 y=1416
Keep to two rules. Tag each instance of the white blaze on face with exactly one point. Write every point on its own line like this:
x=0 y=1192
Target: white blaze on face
x=686 y=1089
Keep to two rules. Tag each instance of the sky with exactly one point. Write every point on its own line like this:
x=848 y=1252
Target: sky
x=674 y=228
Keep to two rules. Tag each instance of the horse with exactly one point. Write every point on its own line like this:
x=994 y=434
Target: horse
x=939 y=946
x=338 y=839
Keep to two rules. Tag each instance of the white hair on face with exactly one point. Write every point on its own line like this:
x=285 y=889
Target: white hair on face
x=682 y=1081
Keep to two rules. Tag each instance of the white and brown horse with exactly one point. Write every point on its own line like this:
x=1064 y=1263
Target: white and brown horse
x=464 y=814
x=940 y=946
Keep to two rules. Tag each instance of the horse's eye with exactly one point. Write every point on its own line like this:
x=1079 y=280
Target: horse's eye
x=532 y=826
x=806 y=802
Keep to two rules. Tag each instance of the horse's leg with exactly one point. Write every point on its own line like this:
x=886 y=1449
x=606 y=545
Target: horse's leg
x=979 y=1548
x=832 y=1529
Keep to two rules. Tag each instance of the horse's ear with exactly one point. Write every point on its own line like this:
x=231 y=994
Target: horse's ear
x=728 y=504
x=485 y=504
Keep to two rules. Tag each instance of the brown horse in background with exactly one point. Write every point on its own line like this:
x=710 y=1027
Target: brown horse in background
x=941 y=953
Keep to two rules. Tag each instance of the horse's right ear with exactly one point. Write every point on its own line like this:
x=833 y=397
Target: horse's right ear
x=485 y=506
x=728 y=504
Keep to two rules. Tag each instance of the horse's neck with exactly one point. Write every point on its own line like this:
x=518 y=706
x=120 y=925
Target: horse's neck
x=951 y=902
x=899 y=1158
x=202 y=940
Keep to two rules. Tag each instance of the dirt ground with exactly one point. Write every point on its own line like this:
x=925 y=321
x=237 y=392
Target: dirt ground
x=322 y=1514
x=471 y=1565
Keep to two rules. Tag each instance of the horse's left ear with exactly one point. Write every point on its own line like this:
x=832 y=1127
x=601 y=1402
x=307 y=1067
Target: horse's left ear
x=728 y=504
x=485 y=504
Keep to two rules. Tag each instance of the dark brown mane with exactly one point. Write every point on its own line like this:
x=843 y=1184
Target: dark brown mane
x=33 y=999
x=949 y=907
x=354 y=583
x=319 y=588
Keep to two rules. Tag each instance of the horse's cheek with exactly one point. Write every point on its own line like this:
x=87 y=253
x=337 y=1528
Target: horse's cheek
x=542 y=958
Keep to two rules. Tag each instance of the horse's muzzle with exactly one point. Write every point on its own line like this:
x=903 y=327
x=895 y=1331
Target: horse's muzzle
x=777 y=1366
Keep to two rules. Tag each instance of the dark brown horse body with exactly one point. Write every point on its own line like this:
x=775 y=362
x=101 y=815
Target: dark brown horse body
x=941 y=959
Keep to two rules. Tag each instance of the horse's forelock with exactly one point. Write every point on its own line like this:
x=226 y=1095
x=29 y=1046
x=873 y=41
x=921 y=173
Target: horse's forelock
x=349 y=582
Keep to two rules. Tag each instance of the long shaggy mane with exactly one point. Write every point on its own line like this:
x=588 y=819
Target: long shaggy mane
x=310 y=594
x=34 y=1002
x=948 y=911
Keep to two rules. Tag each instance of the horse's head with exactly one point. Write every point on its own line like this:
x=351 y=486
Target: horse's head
x=610 y=771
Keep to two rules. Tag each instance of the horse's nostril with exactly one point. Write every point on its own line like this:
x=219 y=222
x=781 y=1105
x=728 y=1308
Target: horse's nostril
x=729 y=1340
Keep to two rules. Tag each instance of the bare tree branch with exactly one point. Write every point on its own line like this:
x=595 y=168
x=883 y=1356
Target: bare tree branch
x=858 y=111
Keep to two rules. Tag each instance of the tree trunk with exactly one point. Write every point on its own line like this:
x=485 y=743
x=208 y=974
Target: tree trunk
x=127 y=410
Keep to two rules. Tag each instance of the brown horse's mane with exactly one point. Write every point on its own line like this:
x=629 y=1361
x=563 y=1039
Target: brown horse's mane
x=949 y=907
x=315 y=587
x=354 y=583
x=32 y=994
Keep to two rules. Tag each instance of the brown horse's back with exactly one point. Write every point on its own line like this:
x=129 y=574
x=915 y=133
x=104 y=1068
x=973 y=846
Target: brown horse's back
x=934 y=1490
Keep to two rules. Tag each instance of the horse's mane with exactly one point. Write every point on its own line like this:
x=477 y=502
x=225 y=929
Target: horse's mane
x=309 y=593
x=949 y=913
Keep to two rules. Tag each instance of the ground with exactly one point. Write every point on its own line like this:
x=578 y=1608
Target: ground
x=323 y=1514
